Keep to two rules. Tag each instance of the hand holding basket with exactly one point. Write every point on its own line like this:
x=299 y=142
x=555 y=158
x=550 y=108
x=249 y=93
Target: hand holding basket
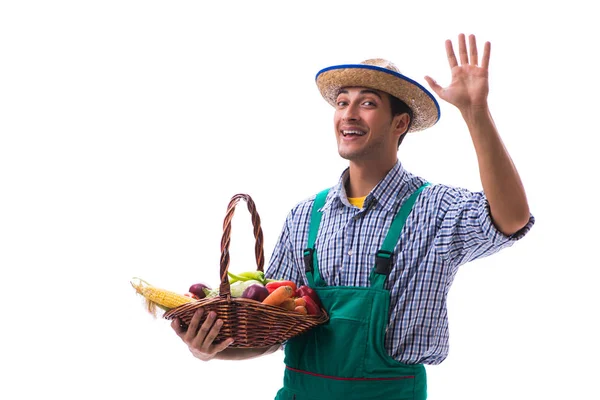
x=249 y=322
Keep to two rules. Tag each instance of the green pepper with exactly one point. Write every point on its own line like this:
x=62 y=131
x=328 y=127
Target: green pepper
x=254 y=275
x=234 y=278
x=247 y=276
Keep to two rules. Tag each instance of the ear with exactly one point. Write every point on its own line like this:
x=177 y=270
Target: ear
x=400 y=123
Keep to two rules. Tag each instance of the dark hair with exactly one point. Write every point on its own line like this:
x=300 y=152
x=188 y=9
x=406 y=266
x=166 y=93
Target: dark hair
x=400 y=107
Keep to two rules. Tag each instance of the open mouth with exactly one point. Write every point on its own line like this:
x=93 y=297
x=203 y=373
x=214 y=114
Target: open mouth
x=353 y=133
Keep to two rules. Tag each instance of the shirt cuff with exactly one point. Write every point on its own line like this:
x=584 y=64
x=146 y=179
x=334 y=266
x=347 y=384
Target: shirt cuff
x=490 y=230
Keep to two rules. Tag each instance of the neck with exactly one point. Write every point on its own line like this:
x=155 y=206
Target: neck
x=363 y=177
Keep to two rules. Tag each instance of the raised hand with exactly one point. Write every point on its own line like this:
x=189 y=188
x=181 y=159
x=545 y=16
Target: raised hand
x=469 y=86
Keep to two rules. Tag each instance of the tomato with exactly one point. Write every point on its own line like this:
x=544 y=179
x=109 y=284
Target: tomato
x=271 y=286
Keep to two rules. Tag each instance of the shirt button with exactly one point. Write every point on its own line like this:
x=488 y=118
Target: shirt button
x=350 y=252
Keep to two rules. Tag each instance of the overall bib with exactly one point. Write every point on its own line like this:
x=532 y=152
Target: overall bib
x=345 y=358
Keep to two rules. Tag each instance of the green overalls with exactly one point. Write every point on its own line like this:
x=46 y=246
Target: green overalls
x=345 y=358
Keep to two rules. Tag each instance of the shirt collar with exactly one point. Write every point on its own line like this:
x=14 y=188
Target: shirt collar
x=391 y=190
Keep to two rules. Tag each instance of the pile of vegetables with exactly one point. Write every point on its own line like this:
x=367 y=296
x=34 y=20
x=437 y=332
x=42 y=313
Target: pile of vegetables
x=274 y=292
x=249 y=285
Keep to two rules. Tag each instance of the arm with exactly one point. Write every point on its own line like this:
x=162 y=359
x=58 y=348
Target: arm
x=464 y=227
x=500 y=180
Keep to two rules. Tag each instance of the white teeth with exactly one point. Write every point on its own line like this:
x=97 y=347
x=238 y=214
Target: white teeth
x=357 y=133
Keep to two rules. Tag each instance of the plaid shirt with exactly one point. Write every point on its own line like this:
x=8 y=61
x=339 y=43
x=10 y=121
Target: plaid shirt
x=447 y=228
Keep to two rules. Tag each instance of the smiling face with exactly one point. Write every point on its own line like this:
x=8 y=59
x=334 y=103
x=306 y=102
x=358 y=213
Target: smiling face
x=364 y=127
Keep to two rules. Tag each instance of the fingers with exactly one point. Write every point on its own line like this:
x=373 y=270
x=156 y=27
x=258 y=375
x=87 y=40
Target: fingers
x=467 y=57
x=203 y=338
x=462 y=50
x=192 y=329
x=473 y=50
x=450 y=53
x=198 y=336
x=485 y=61
x=211 y=334
x=223 y=345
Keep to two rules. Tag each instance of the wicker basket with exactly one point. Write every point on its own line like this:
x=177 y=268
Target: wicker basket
x=250 y=323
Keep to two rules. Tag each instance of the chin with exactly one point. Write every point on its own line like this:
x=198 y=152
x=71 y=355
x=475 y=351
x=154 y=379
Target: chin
x=347 y=155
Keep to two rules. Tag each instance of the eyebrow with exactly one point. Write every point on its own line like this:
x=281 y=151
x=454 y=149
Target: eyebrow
x=364 y=91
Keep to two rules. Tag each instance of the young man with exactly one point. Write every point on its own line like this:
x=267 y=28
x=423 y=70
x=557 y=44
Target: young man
x=382 y=246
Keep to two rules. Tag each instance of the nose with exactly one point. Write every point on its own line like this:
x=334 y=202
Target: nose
x=351 y=113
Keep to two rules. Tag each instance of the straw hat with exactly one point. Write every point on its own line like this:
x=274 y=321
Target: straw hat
x=382 y=75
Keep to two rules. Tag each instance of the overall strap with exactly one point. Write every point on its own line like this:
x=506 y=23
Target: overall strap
x=383 y=258
x=311 y=264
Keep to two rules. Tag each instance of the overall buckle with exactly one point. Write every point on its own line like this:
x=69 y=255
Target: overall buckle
x=308 y=260
x=383 y=262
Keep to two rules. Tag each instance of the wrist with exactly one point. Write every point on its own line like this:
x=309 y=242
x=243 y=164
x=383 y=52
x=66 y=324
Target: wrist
x=474 y=113
x=476 y=117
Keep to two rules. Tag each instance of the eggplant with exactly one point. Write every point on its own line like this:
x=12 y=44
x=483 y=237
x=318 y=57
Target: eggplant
x=256 y=292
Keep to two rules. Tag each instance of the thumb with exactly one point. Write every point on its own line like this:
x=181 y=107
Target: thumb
x=434 y=85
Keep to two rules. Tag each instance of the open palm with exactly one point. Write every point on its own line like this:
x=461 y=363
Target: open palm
x=469 y=86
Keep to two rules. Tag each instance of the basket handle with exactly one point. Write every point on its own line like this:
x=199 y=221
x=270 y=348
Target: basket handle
x=224 y=290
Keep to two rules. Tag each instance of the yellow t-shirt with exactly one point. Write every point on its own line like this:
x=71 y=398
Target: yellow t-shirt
x=357 y=201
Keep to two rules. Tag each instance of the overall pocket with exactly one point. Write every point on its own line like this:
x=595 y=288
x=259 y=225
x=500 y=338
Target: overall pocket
x=338 y=347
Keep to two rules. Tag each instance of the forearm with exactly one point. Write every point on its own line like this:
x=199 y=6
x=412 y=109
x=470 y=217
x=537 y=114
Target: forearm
x=501 y=182
x=245 y=354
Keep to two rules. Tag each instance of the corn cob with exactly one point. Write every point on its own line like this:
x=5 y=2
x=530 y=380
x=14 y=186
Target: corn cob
x=157 y=297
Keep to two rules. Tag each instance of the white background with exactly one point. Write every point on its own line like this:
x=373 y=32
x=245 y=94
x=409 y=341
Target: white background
x=126 y=127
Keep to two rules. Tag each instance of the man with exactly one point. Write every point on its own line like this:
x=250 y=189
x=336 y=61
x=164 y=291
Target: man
x=382 y=246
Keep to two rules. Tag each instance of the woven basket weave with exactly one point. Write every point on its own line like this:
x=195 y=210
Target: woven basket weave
x=249 y=322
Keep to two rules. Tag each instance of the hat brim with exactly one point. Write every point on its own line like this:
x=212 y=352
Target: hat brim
x=425 y=108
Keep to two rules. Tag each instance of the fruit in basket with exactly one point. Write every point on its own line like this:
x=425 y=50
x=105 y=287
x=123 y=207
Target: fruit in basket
x=198 y=290
x=255 y=292
x=271 y=286
x=192 y=295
